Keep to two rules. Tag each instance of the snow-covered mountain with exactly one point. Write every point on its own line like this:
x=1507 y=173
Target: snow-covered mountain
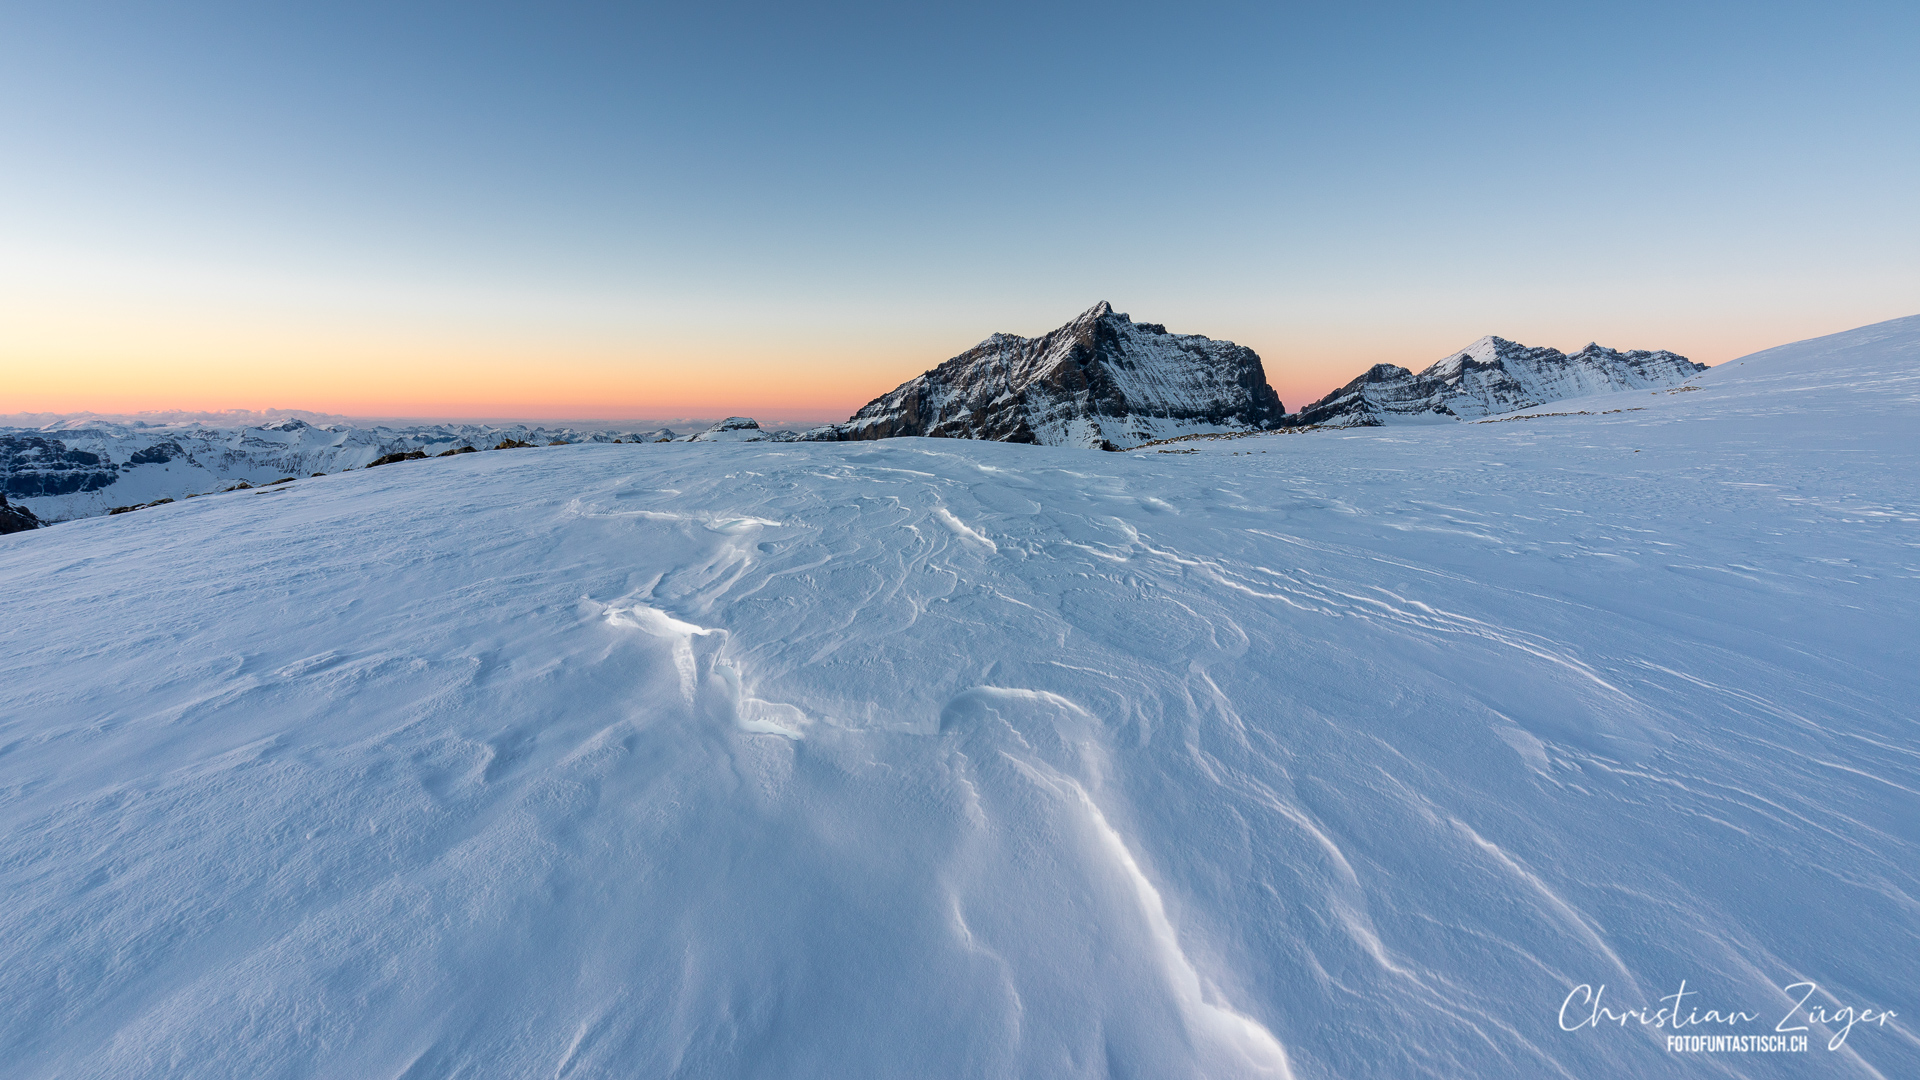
x=1492 y=375
x=1102 y=380
x=69 y=472
x=739 y=429
x=1274 y=757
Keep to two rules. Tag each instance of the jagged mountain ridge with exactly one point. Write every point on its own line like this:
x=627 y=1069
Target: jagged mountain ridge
x=1492 y=375
x=1101 y=380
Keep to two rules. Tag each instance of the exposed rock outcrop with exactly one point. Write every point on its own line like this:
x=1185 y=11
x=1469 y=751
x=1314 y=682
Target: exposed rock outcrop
x=137 y=506
x=392 y=459
x=1102 y=380
x=15 y=519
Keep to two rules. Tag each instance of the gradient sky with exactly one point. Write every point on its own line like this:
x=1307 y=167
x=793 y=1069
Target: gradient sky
x=626 y=210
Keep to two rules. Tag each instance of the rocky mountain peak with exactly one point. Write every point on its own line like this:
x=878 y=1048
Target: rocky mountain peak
x=732 y=429
x=1385 y=373
x=1101 y=380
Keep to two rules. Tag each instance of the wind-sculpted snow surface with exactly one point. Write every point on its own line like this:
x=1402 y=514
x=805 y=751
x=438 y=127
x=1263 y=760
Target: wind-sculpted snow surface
x=1330 y=755
x=1492 y=375
x=1101 y=381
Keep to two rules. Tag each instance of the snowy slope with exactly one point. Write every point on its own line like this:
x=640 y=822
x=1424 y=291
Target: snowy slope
x=71 y=471
x=1329 y=754
x=1492 y=375
x=1102 y=381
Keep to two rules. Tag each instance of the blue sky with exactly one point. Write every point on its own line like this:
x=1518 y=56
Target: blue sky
x=773 y=207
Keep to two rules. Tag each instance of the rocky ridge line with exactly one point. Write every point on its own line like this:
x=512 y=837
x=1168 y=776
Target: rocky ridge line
x=1490 y=376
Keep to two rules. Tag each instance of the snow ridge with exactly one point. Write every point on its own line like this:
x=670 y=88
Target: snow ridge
x=1492 y=375
x=1101 y=381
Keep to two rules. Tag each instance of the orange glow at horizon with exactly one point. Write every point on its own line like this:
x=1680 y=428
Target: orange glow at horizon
x=59 y=367
x=181 y=367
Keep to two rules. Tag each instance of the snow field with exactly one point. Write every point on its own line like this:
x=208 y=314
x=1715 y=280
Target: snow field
x=1350 y=756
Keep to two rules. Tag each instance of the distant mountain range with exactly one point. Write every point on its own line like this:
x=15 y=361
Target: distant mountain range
x=1492 y=375
x=1106 y=381
x=1101 y=381
x=75 y=472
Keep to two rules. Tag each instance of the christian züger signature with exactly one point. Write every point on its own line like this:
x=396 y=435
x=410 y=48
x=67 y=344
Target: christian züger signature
x=1582 y=1008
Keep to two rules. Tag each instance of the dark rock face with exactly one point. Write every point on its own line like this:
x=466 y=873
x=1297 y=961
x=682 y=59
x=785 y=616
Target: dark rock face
x=35 y=466
x=1102 y=380
x=1493 y=375
x=157 y=454
x=389 y=459
x=15 y=519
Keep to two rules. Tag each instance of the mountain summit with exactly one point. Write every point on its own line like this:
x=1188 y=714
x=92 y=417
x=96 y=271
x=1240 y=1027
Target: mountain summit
x=1101 y=380
x=1492 y=375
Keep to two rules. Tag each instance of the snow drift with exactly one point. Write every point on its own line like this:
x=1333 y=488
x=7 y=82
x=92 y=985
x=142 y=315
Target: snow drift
x=1347 y=754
